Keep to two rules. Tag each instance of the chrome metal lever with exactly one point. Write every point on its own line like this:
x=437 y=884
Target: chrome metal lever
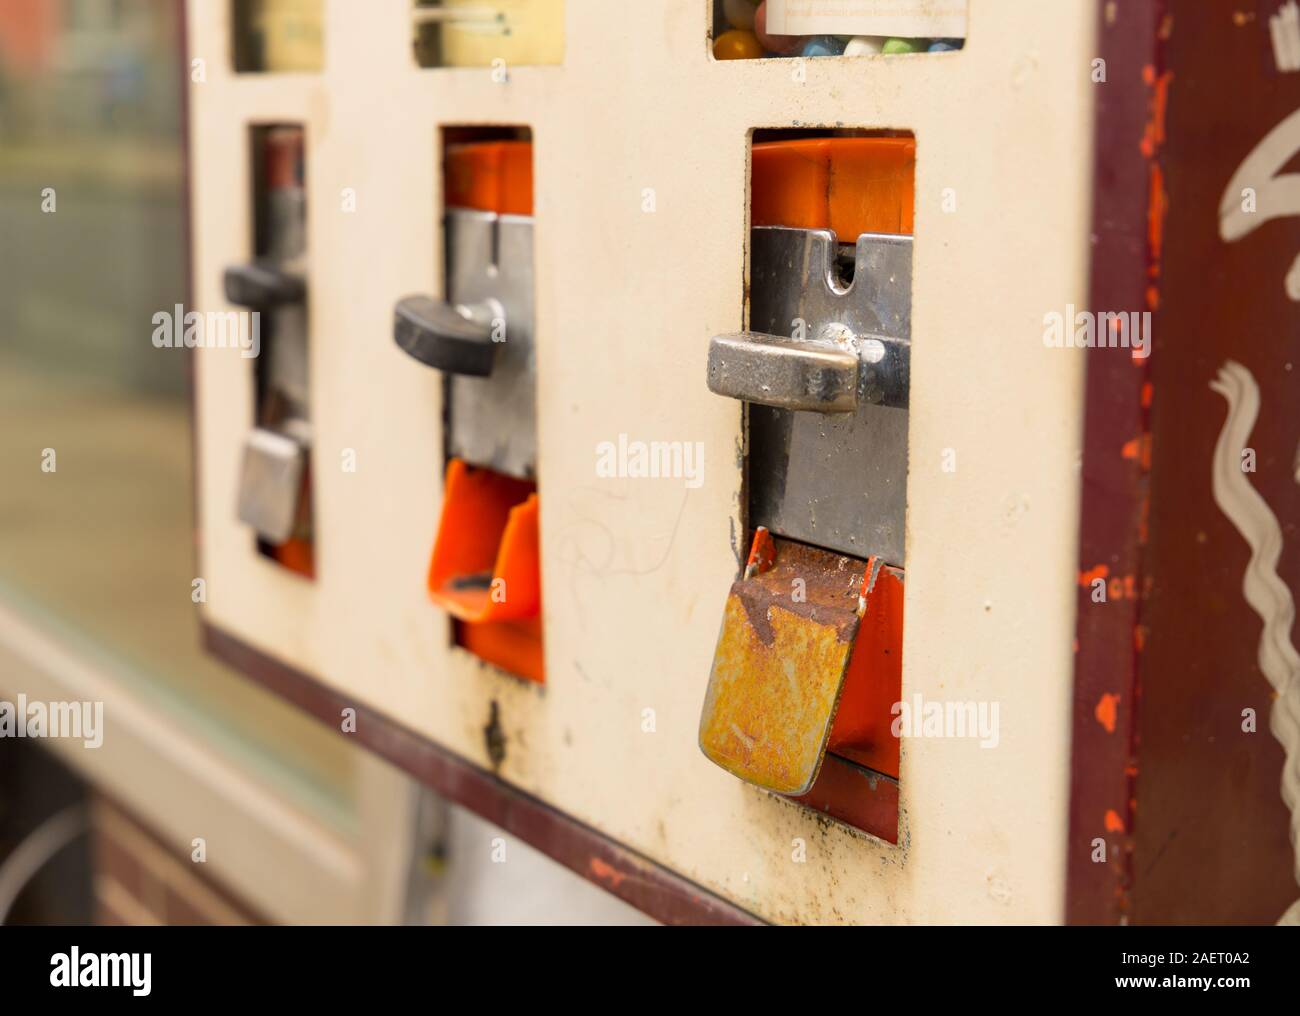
x=817 y=375
x=821 y=375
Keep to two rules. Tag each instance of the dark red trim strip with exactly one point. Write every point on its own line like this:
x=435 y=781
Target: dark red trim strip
x=664 y=895
x=1115 y=480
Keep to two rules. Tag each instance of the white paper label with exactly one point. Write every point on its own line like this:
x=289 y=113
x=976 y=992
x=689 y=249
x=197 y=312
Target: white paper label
x=909 y=19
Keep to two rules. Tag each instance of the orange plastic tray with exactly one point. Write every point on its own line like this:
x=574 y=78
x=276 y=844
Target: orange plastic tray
x=862 y=730
x=491 y=176
x=850 y=185
x=486 y=567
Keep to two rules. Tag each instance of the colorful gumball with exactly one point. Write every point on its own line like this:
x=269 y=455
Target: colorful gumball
x=864 y=45
x=736 y=45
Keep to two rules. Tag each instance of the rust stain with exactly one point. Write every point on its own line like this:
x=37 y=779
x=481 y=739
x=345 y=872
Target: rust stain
x=780 y=665
x=773 y=692
x=1107 y=711
x=1114 y=824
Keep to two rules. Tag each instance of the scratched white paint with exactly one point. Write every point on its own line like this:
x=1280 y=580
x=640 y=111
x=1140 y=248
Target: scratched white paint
x=1263 y=589
x=1284 y=30
x=1257 y=194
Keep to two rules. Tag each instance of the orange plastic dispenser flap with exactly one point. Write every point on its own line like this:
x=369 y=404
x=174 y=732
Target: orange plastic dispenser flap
x=486 y=567
x=849 y=185
x=514 y=646
x=874 y=683
x=485 y=557
x=296 y=555
x=491 y=176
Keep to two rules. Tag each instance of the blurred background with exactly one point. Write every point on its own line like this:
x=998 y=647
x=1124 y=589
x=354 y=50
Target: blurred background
x=210 y=801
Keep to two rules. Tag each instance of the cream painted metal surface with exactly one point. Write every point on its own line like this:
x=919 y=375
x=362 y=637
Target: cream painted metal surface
x=626 y=301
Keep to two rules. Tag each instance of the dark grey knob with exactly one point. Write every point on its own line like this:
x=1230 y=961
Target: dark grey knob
x=456 y=338
x=259 y=285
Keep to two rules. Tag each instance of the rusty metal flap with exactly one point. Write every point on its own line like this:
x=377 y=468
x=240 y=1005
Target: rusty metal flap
x=787 y=632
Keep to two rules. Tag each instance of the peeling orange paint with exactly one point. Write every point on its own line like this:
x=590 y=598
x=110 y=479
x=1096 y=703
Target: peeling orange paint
x=1153 y=137
x=1114 y=824
x=1106 y=711
x=1118 y=587
x=1154 y=134
x=1122 y=587
x=607 y=873
x=1087 y=578
x=1157 y=206
x=1139 y=450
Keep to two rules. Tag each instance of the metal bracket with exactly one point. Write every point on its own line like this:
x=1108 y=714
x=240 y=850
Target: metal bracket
x=825 y=368
x=482 y=337
x=270 y=483
x=816 y=343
